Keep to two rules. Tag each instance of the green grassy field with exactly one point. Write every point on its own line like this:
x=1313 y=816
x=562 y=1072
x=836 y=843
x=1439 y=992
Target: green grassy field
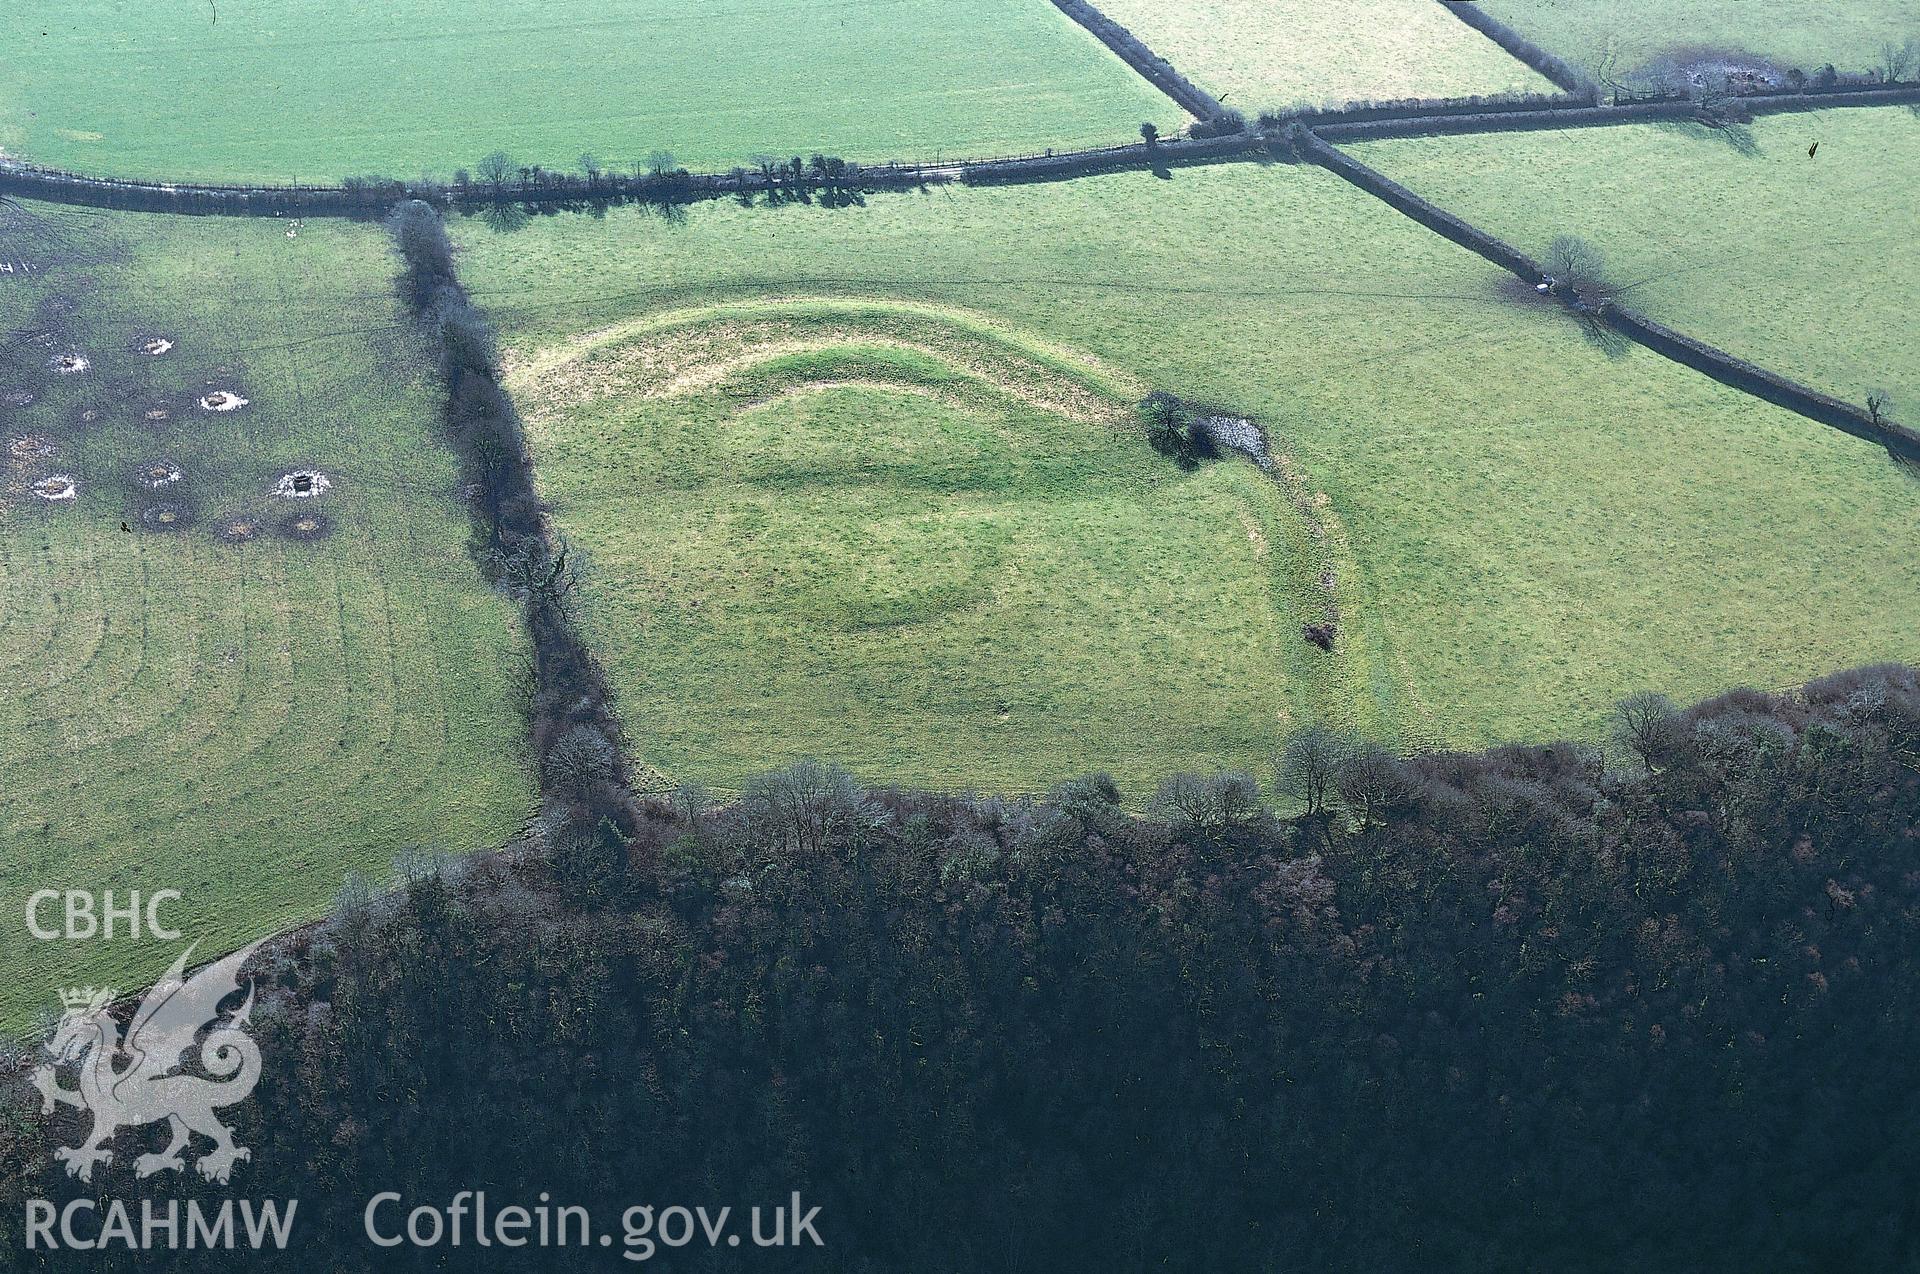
x=1272 y=53
x=1641 y=31
x=274 y=92
x=1791 y=261
x=896 y=537
x=244 y=722
x=1525 y=528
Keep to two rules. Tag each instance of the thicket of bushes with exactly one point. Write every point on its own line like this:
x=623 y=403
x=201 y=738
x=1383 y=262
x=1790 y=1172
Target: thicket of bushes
x=1518 y=1010
x=574 y=728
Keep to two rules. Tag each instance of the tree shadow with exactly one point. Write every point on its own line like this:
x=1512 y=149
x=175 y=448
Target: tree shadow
x=1603 y=336
x=503 y=218
x=1738 y=136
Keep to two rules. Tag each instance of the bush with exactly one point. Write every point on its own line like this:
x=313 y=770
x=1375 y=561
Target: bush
x=1177 y=429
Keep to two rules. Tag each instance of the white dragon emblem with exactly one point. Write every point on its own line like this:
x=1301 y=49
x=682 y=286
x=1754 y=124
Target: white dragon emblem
x=147 y=1087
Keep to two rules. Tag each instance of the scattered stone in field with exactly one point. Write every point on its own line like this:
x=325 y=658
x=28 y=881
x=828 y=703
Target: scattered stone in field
x=30 y=447
x=302 y=484
x=1237 y=433
x=157 y=414
x=86 y=417
x=155 y=474
x=56 y=487
x=16 y=398
x=306 y=526
x=222 y=400
x=69 y=364
x=166 y=515
x=238 y=528
x=152 y=346
x=1320 y=635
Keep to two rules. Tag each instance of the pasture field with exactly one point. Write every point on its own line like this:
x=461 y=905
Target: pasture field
x=1258 y=54
x=1788 y=260
x=895 y=537
x=1524 y=528
x=276 y=92
x=1641 y=33
x=242 y=695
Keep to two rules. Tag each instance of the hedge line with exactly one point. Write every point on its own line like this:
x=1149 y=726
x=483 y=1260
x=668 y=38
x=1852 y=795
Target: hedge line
x=576 y=734
x=1308 y=145
x=1443 y=123
x=373 y=198
x=1130 y=49
x=1562 y=73
x=1357 y=112
x=1165 y=154
x=1902 y=442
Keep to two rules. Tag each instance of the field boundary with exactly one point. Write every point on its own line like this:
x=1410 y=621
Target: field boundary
x=1730 y=369
x=1900 y=441
x=1153 y=68
x=1439 y=123
x=1551 y=66
x=1309 y=145
x=839 y=181
x=578 y=744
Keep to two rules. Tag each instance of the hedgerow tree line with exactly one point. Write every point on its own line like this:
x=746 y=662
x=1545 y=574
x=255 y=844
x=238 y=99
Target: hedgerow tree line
x=1543 y=1007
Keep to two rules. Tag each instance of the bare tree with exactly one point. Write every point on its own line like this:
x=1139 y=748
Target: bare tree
x=1576 y=265
x=1897 y=60
x=495 y=169
x=1646 y=724
x=1212 y=805
x=1877 y=401
x=1374 y=783
x=1306 y=766
x=580 y=758
x=807 y=805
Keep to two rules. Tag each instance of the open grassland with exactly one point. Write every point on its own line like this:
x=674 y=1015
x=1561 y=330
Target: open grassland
x=1525 y=528
x=274 y=91
x=247 y=721
x=1800 y=264
x=1257 y=54
x=1641 y=33
x=895 y=537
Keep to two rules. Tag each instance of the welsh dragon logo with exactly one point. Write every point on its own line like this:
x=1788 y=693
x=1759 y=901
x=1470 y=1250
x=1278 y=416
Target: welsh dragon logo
x=130 y=1080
